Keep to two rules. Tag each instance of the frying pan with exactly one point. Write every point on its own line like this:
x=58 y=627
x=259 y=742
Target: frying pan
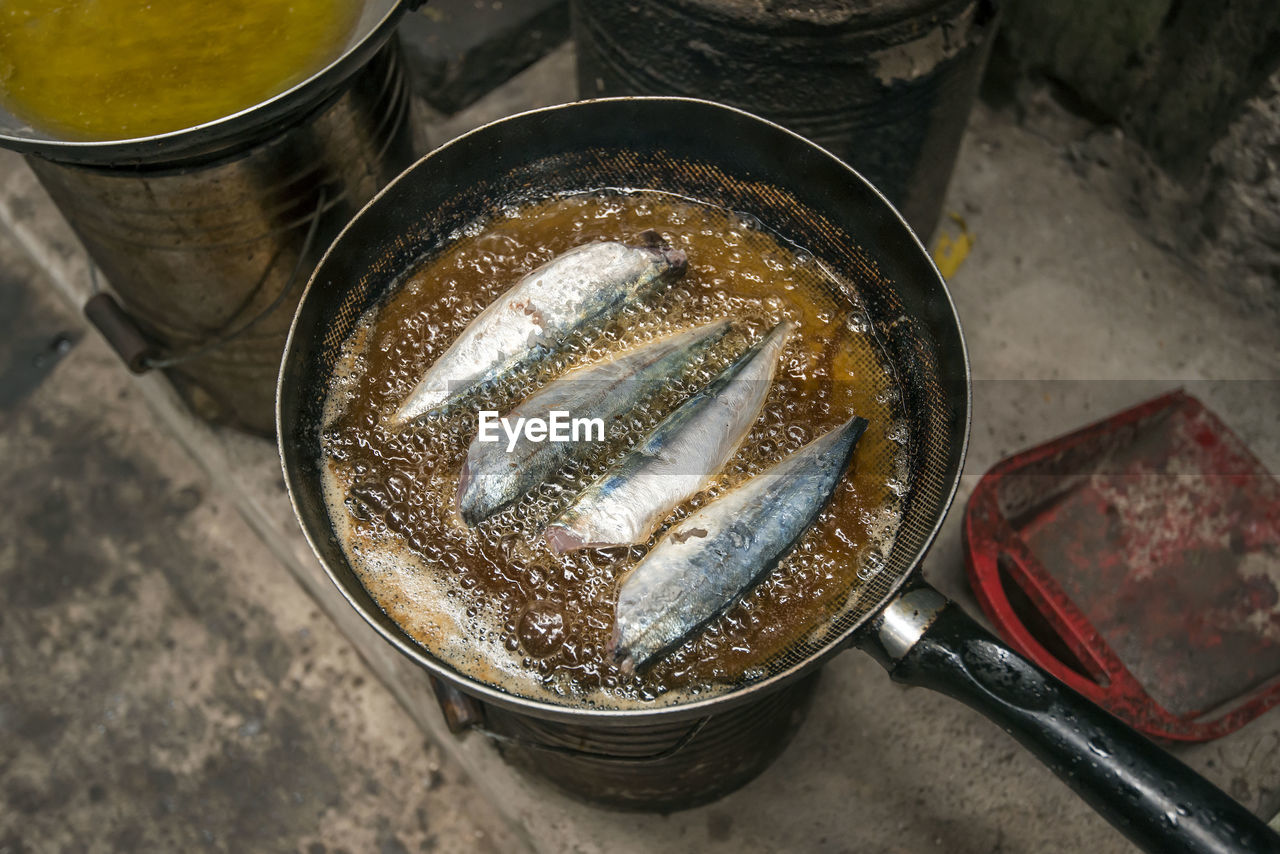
x=730 y=158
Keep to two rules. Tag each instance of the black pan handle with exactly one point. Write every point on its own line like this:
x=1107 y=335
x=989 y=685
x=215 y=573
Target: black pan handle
x=1152 y=798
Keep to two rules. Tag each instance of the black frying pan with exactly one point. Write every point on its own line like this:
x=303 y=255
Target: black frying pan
x=726 y=157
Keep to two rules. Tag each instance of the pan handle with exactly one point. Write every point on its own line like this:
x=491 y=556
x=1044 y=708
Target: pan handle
x=1159 y=803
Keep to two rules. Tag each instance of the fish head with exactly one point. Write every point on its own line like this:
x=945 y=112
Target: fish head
x=675 y=260
x=620 y=656
x=474 y=503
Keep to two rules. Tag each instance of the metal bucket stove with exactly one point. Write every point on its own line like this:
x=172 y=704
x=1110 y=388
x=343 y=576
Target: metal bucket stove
x=206 y=235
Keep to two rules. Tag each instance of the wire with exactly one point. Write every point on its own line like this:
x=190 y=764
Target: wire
x=220 y=340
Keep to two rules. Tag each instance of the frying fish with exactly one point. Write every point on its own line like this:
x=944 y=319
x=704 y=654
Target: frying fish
x=628 y=502
x=497 y=473
x=706 y=563
x=542 y=310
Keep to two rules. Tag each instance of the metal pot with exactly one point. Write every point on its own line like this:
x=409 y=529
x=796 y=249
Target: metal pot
x=814 y=200
x=207 y=234
x=377 y=21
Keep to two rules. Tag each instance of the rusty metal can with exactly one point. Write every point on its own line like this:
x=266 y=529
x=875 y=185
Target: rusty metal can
x=657 y=767
x=886 y=85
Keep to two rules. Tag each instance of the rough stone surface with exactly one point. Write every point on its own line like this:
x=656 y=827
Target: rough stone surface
x=1174 y=73
x=1180 y=104
x=164 y=685
x=1225 y=224
x=459 y=50
x=1238 y=202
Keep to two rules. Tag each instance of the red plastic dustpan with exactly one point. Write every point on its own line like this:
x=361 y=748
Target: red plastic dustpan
x=1138 y=560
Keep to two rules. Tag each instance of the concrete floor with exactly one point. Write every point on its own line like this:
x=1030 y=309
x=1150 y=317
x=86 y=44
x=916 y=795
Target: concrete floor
x=176 y=672
x=164 y=685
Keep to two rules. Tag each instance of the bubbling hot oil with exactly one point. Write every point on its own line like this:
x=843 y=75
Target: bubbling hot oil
x=494 y=601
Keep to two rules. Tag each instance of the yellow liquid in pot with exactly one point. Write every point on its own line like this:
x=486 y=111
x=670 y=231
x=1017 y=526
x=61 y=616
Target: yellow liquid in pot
x=118 y=69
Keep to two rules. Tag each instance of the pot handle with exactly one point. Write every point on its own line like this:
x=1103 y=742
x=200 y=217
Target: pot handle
x=1158 y=802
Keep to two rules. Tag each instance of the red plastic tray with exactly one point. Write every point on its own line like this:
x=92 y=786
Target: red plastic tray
x=1138 y=560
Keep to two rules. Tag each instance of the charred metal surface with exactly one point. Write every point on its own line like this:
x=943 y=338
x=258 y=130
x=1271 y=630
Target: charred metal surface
x=198 y=253
x=887 y=87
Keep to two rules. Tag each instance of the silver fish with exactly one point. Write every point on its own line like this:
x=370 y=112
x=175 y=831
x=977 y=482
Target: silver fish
x=494 y=474
x=541 y=310
x=628 y=502
x=705 y=564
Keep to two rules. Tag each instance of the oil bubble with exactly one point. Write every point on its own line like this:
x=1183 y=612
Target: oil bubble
x=541 y=629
